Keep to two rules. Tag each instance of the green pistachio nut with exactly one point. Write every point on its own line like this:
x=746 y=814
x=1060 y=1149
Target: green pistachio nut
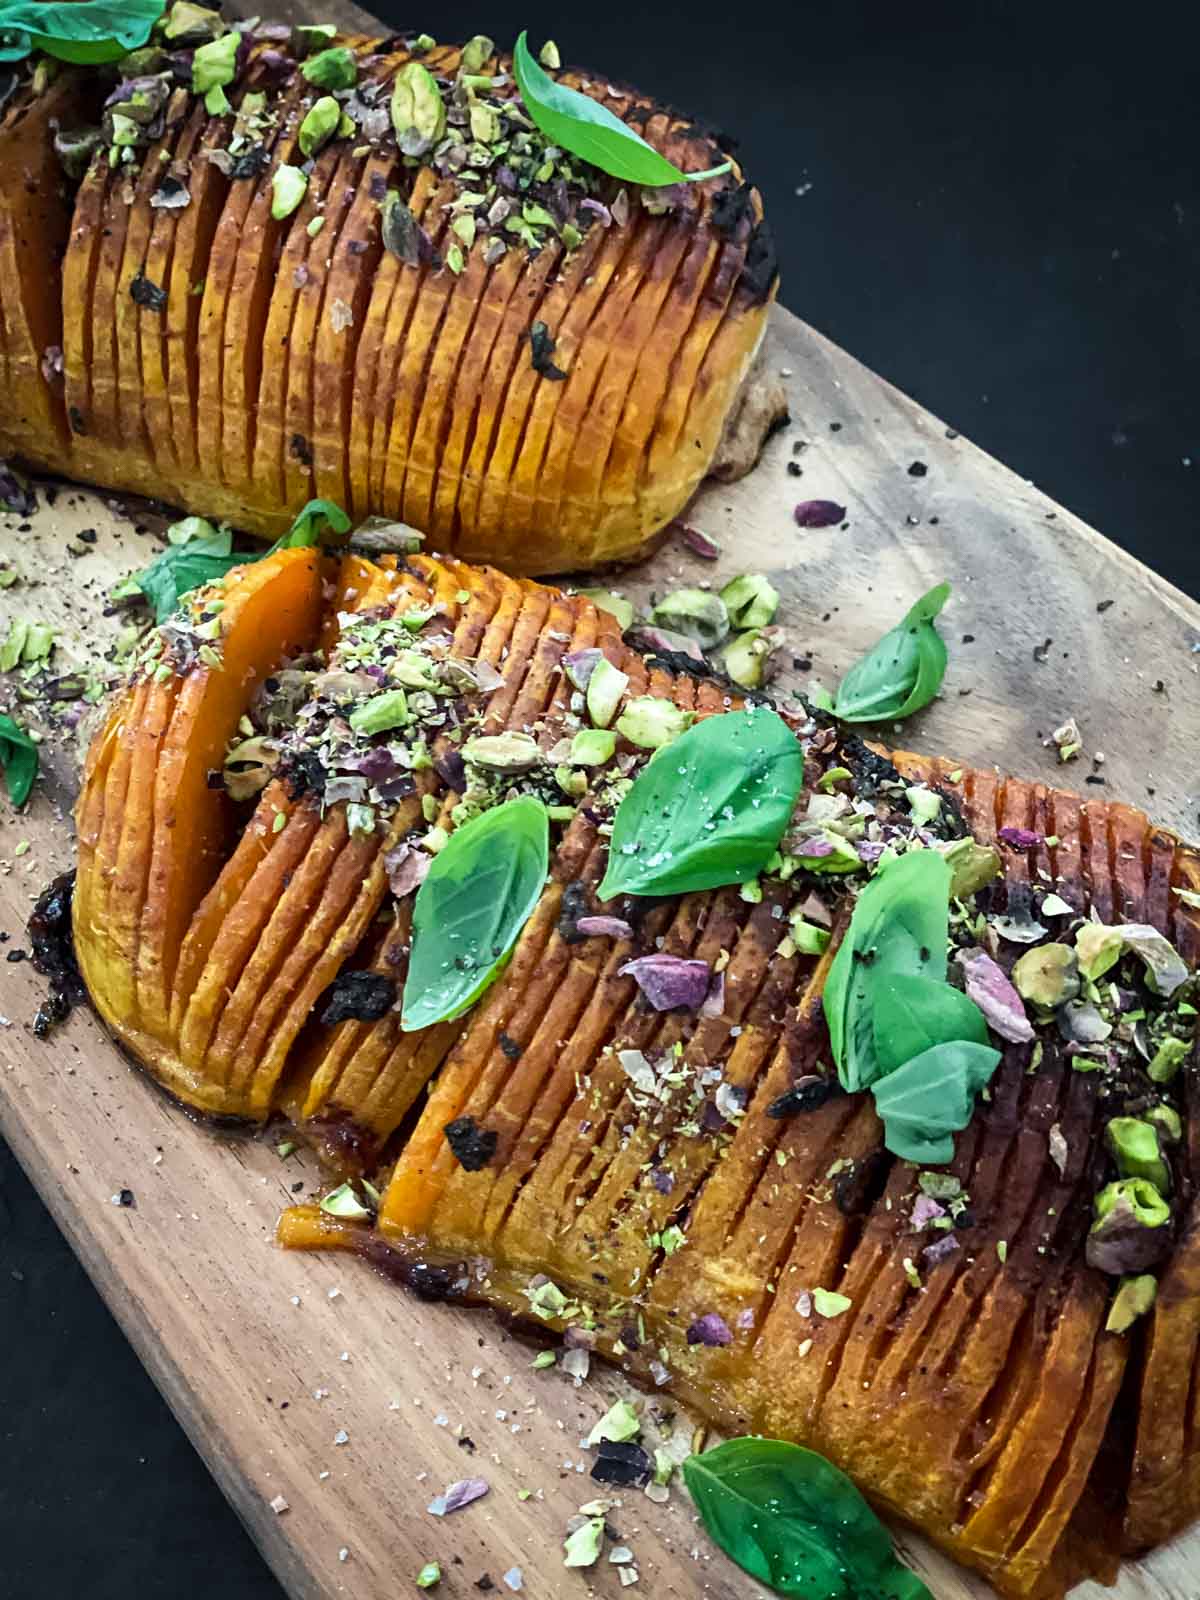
x=1168 y=1122
x=423 y=44
x=616 y=605
x=381 y=712
x=215 y=63
x=1098 y=948
x=1136 y=1199
x=288 y=185
x=972 y=867
x=840 y=857
x=549 y=57
x=651 y=723
x=187 y=24
x=309 y=37
x=319 y=125
x=746 y=658
x=418 y=111
x=571 y=781
x=475 y=52
x=1168 y=1058
x=700 y=615
x=503 y=752
x=924 y=804
x=809 y=939
x=750 y=601
x=592 y=747
x=1131 y=1232
x=1047 y=975
x=485 y=123
x=1133 y=1144
x=335 y=68
x=605 y=688
x=1133 y=1299
x=414 y=671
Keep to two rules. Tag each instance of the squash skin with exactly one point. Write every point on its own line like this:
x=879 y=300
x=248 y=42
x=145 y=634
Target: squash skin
x=425 y=406
x=984 y=1409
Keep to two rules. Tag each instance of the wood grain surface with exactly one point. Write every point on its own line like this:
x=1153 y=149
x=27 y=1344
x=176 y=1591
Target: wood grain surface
x=268 y=1358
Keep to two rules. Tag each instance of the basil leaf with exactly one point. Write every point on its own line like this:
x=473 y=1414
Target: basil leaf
x=313 y=524
x=18 y=759
x=86 y=33
x=931 y=1097
x=898 y=931
x=183 y=567
x=710 y=810
x=478 y=895
x=577 y=123
x=911 y=1015
x=903 y=672
x=792 y=1519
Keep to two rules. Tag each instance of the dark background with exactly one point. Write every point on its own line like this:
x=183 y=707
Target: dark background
x=1003 y=219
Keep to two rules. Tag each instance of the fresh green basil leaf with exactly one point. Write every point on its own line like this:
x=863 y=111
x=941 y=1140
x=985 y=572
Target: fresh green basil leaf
x=577 y=123
x=181 y=568
x=898 y=930
x=709 y=810
x=931 y=1097
x=86 y=33
x=903 y=672
x=792 y=1519
x=312 y=525
x=477 y=896
x=18 y=759
x=911 y=1015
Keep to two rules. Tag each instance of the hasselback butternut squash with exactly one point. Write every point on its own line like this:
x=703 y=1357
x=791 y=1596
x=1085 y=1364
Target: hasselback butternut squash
x=235 y=308
x=656 y=1173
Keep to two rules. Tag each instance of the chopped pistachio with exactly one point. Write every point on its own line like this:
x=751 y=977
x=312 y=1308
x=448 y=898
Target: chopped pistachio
x=429 y=1575
x=503 y=752
x=1133 y=1299
x=592 y=747
x=380 y=712
x=335 y=68
x=454 y=259
x=547 y=1300
x=699 y=614
x=972 y=867
x=216 y=101
x=1167 y=1120
x=343 y=1202
x=215 y=64
x=308 y=37
x=1047 y=975
x=1002 y=1250
x=430 y=806
x=464 y=228
x=1134 y=1146
x=285 y=1148
x=418 y=112
x=360 y=819
x=745 y=658
x=649 y=722
x=606 y=685
x=319 y=125
x=828 y=1303
x=543 y=1359
x=619 y=1423
x=288 y=185
x=549 y=57
x=615 y=604
x=476 y=52
x=423 y=44
x=1055 y=906
x=750 y=600
x=582 y=1548
x=191 y=22
x=808 y=939
x=833 y=776
x=314 y=227
x=924 y=804
x=279 y=822
x=1137 y=1197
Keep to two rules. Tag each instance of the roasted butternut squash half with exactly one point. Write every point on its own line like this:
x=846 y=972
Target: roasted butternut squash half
x=368 y=275
x=623 y=1099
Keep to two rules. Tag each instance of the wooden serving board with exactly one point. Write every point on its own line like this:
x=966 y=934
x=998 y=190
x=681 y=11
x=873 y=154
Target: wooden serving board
x=268 y=1358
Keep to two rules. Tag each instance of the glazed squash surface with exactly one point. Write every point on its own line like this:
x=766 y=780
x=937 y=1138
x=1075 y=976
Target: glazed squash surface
x=515 y=353
x=977 y=1393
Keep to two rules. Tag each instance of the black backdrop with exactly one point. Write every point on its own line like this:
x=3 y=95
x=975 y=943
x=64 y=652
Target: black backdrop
x=1003 y=219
